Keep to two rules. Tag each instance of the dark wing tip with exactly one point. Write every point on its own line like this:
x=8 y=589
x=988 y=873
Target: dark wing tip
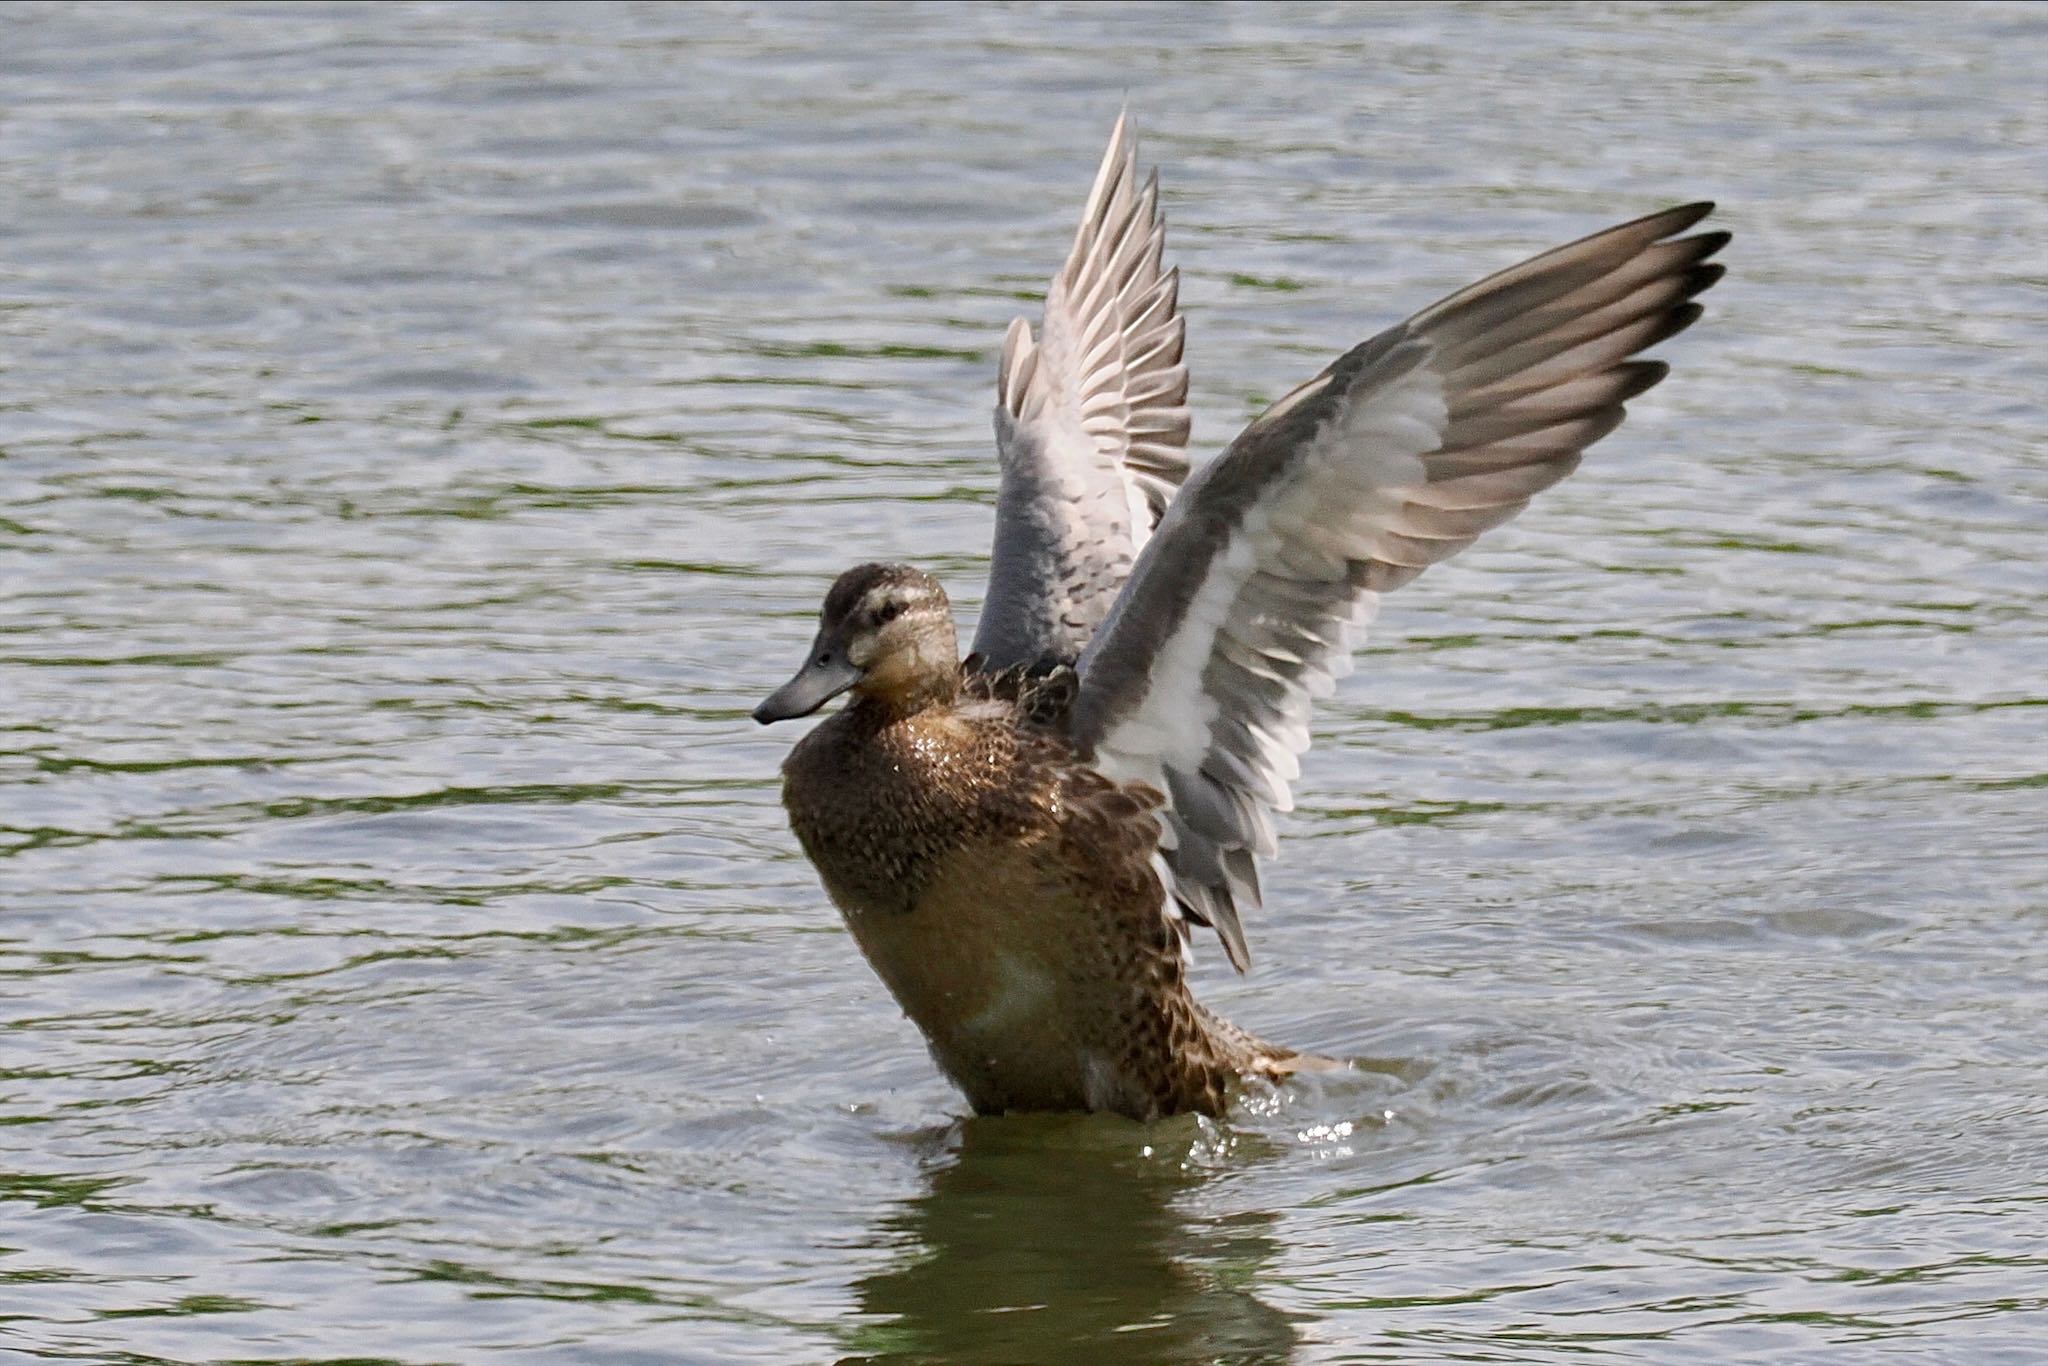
x=1638 y=377
x=1685 y=215
x=1705 y=244
x=1675 y=322
x=1700 y=279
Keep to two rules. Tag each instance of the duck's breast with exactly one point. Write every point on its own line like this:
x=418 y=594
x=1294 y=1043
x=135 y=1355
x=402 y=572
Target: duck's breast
x=1007 y=896
x=1039 y=985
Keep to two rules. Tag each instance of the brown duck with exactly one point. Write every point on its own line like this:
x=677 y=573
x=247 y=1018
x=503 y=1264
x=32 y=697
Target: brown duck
x=1021 y=843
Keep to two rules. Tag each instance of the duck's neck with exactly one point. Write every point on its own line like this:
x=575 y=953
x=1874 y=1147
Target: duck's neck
x=888 y=700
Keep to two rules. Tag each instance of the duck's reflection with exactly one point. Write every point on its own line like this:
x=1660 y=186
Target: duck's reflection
x=1070 y=1238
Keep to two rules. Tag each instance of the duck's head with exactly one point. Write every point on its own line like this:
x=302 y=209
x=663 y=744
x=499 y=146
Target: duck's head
x=886 y=632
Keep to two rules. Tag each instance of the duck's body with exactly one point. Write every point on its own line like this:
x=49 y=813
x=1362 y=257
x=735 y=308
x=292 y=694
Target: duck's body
x=1021 y=843
x=1006 y=893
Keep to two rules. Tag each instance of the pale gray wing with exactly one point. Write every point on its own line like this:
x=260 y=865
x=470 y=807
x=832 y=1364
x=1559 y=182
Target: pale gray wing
x=1091 y=425
x=1239 y=612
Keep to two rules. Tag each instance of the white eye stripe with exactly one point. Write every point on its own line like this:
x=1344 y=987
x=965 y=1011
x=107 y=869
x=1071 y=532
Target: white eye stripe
x=892 y=602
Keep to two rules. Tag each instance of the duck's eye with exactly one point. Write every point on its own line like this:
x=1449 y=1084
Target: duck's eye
x=888 y=611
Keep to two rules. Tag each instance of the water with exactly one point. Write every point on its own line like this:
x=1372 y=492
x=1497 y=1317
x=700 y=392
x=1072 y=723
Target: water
x=426 y=431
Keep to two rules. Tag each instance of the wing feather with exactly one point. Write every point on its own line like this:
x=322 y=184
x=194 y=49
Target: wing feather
x=1091 y=426
x=1240 y=611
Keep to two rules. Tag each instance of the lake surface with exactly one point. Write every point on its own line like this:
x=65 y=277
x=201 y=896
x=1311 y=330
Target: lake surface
x=427 y=430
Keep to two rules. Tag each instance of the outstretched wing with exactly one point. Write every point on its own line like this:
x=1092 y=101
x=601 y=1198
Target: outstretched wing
x=1400 y=454
x=1091 y=425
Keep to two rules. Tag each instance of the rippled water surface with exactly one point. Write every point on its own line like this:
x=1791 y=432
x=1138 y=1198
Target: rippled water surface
x=426 y=431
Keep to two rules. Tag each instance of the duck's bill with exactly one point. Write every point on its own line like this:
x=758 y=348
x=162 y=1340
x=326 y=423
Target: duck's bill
x=824 y=676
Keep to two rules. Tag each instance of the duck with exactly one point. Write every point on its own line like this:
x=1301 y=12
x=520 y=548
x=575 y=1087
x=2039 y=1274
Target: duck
x=1024 y=843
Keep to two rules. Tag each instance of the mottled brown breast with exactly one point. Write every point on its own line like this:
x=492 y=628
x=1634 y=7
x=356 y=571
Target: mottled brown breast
x=876 y=799
x=1005 y=893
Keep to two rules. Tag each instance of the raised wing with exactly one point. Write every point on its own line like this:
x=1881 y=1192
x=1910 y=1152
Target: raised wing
x=1091 y=425
x=1238 y=613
